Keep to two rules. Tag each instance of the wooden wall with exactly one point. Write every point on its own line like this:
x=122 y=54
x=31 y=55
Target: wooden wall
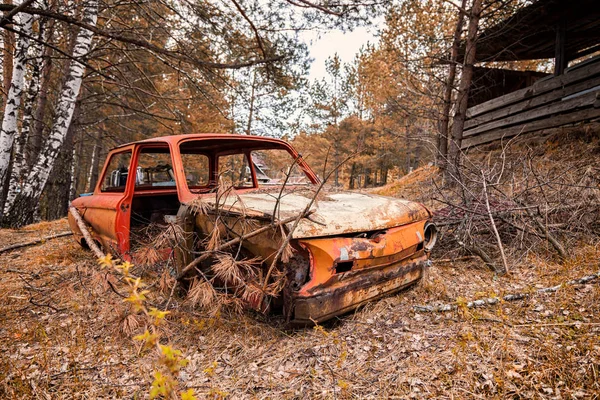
x=549 y=103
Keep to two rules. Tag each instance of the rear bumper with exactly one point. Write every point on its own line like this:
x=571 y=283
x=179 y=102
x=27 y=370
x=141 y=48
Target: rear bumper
x=327 y=301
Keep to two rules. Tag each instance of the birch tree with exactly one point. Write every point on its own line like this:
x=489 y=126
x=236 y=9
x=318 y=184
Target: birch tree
x=21 y=210
x=13 y=103
x=19 y=167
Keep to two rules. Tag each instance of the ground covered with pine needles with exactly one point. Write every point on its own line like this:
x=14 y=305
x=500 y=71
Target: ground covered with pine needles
x=66 y=332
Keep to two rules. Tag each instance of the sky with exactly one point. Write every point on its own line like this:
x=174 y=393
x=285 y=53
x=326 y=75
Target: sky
x=345 y=44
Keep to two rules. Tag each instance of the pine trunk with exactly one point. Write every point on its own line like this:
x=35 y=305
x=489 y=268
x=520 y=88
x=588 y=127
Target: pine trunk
x=94 y=164
x=417 y=151
x=458 y=122
x=352 y=176
x=22 y=211
x=251 y=111
x=408 y=150
x=76 y=170
x=442 y=145
x=56 y=196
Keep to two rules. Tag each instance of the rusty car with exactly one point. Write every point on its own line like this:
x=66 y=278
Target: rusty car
x=352 y=248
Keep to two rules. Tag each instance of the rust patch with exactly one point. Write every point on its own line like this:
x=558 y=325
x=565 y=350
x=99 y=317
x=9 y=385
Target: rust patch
x=361 y=246
x=351 y=293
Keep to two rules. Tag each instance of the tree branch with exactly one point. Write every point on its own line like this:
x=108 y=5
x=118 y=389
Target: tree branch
x=7 y=18
x=34 y=242
x=141 y=42
x=509 y=297
x=256 y=34
x=308 y=4
x=67 y=55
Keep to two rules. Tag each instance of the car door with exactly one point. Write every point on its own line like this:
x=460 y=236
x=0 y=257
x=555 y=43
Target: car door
x=107 y=210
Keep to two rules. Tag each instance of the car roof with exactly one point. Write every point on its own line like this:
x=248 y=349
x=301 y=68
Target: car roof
x=174 y=139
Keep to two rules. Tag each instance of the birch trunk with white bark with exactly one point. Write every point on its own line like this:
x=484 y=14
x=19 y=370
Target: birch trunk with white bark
x=92 y=178
x=19 y=167
x=22 y=210
x=34 y=141
x=8 y=43
x=13 y=102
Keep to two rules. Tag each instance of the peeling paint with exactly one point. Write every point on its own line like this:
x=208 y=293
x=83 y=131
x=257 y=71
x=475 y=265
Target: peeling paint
x=340 y=213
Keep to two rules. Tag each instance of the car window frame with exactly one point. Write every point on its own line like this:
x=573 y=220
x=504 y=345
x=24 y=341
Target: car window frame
x=105 y=171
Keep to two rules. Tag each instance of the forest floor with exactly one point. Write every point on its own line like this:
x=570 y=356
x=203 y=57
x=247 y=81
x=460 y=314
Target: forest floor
x=64 y=333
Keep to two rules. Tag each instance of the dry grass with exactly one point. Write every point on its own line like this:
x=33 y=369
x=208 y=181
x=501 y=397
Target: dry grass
x=73 y=341
x=415 y=186
x=65 y=334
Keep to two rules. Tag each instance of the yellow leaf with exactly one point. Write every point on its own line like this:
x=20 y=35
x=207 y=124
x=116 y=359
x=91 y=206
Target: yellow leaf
x=148 y=338
x=172 y=359
x=137 y=299
x=188 y=395
x=125 y=267
x=158 y=315
x=106 y=261
x=342 y=384
x=160 y=386
x=210 y=371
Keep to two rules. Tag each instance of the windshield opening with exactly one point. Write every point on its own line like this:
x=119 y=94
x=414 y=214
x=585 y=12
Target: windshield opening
x=242 y=167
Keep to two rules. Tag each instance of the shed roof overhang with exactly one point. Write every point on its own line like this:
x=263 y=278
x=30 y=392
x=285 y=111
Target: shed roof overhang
x=531 y=33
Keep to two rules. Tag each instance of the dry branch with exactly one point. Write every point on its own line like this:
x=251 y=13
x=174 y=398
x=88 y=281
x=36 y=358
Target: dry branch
x=555 y=243
x=237 y=240
x=86 y=233
x=510 y=297
x=140 y=42
x=286 y=242
x=494 y=229
x=34 y=242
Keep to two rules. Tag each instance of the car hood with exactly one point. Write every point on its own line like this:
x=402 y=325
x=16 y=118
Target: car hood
x=334 y=213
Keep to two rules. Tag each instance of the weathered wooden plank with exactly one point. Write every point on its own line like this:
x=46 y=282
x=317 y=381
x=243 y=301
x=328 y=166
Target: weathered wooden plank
x=583 y=101
x=547 y=123
x=537 y=88
x=532 y=102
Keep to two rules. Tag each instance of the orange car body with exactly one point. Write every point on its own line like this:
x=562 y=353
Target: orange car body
x=353 y=248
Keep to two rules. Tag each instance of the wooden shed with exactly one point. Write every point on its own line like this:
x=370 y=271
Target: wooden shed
x=506 y=103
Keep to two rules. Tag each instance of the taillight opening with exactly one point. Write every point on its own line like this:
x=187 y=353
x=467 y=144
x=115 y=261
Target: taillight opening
x=430 y=236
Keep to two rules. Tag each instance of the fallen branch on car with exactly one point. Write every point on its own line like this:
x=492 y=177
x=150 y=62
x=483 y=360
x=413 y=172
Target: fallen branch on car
x=237 y=240
x=83 y=227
